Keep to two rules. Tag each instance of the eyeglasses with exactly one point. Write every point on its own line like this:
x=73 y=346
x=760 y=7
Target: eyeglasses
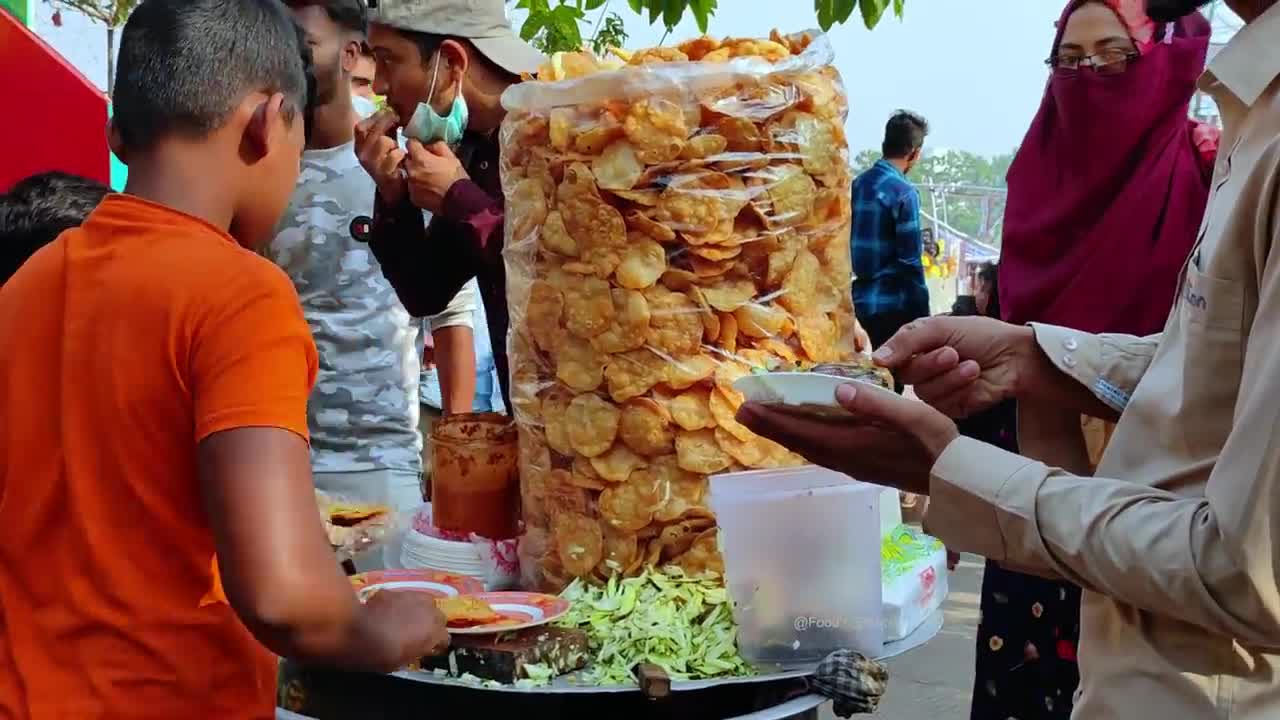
x=1112 y=61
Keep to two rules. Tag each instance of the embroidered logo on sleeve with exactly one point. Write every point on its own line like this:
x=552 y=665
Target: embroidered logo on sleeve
x=1114 y=397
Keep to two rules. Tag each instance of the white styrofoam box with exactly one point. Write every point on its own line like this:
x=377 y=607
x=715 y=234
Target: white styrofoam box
x=913 y=596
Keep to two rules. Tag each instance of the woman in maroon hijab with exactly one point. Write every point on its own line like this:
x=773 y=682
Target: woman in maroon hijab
x=1105 y=200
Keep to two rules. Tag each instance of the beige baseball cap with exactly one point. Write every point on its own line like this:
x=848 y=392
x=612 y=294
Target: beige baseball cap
x=483 y=22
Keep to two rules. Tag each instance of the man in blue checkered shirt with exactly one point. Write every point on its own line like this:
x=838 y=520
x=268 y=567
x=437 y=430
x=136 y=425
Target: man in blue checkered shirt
x=889 y=289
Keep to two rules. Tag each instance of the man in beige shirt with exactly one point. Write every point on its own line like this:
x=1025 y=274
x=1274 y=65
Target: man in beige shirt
x=1176 y=542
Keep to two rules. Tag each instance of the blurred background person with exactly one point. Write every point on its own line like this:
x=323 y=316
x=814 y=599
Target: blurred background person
x=37 y=209
x=363 y=412
x=1106 y=196
x=362 y=74
x=887 y=242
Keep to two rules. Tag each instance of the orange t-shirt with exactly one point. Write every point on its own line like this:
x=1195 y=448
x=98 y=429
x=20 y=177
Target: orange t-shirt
x=125 y=343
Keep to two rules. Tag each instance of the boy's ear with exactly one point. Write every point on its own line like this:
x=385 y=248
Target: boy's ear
x=115 y=142
x=457 y=58
x=264 y=121
x=350 y=56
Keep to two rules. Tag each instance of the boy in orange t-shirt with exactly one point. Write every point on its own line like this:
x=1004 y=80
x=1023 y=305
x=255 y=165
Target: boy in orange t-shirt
x=153 y=391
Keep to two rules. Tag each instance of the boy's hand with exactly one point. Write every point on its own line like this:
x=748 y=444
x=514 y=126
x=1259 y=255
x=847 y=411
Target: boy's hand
x=380 y=155
x=432 y=170
x=889 y=440
x=414 y=619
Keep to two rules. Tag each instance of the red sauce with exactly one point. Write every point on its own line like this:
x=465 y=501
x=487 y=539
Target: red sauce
x=475 y=477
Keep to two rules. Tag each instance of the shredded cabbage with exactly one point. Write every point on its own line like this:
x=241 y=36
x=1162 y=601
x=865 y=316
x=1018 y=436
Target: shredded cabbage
x=683 y=625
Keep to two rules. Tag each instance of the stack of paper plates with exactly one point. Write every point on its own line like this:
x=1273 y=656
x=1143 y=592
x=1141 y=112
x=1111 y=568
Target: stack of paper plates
x=461 y=558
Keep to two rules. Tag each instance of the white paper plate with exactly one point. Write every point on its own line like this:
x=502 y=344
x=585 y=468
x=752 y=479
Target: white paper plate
x=812 y=392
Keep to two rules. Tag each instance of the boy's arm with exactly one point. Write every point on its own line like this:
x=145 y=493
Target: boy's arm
x=455 y=359
x=454 y=351
x=252 y=363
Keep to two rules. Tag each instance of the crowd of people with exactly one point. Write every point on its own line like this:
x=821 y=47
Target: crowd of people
x=297 y=282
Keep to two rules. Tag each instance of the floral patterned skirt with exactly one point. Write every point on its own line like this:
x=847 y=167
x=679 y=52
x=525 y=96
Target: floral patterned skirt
x=1026 y=656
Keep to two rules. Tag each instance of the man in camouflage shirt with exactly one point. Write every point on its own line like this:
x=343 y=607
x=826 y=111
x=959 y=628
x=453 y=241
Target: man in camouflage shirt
x=363 y=413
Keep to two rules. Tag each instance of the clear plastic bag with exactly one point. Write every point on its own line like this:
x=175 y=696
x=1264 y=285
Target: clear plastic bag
x=670 y=227
x=356 y=526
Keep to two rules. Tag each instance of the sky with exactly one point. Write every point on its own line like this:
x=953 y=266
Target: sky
x=974 y=69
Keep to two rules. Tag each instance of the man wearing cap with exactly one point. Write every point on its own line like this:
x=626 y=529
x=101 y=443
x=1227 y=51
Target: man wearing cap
x=443 y=66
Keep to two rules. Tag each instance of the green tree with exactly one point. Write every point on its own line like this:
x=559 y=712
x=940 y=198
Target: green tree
x=955 y=186
x=112 y=14
x=556 y=25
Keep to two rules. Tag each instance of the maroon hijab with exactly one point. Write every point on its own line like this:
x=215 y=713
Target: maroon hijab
x=1108 y=189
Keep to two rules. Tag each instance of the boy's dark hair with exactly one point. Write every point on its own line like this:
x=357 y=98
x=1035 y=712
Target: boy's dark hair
x=903 y=134
x=36 y=210
x=352 y=15
x=428 y=43
x=309 y=72
x=184 y=64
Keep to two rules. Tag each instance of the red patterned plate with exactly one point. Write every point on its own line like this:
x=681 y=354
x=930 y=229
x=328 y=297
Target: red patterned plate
x=431 y=582
x=518 y=610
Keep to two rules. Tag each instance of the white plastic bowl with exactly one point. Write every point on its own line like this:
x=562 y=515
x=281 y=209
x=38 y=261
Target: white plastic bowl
x=813 y=392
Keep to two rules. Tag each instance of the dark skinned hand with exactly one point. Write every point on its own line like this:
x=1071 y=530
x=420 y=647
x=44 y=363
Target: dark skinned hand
x=887 y=439
x=431 y=170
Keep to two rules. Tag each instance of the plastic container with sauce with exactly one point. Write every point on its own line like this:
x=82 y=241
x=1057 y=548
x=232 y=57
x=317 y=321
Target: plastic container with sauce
x=475 y=476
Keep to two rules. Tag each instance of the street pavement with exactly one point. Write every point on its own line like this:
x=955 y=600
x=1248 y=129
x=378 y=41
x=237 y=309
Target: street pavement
x=934 y=682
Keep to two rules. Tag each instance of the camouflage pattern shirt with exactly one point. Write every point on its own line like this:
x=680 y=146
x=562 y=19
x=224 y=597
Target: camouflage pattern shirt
x=363 y=413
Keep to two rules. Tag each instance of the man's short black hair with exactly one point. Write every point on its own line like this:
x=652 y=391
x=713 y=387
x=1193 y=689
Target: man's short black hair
x=351 y=15
x=185 y=64
x=36 y=210
x=903 y=134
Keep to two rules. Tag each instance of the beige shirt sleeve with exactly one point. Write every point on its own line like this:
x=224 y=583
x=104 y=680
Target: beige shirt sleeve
x=1211 y=561
x=1110 y=366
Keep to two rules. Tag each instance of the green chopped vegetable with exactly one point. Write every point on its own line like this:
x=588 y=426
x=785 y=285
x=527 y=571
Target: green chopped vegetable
x=683 y=625
x=902 y=549
x=536 y=675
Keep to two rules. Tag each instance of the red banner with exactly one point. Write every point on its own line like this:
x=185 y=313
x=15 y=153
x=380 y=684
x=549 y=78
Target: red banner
x=56 y=119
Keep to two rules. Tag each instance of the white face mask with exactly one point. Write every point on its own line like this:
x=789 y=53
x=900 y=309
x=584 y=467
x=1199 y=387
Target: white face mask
x=364 y=106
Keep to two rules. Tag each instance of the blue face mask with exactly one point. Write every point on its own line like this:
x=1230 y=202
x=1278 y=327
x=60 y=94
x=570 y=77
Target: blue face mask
x=364 y=106
x=428 y=126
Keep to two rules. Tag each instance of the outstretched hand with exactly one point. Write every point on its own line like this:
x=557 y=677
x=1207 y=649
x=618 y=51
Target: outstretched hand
x=887 y=439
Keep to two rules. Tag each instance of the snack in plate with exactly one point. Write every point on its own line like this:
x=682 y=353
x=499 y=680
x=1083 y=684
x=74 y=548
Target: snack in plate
x=812 y=390
x=463 y=611
x=864 y=371
x=348 y=515
x=352 y=527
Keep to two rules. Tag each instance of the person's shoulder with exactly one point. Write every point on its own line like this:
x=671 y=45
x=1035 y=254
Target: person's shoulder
x=38 y=275
x=248 y=272
x=222 y=272
x=870 y=175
